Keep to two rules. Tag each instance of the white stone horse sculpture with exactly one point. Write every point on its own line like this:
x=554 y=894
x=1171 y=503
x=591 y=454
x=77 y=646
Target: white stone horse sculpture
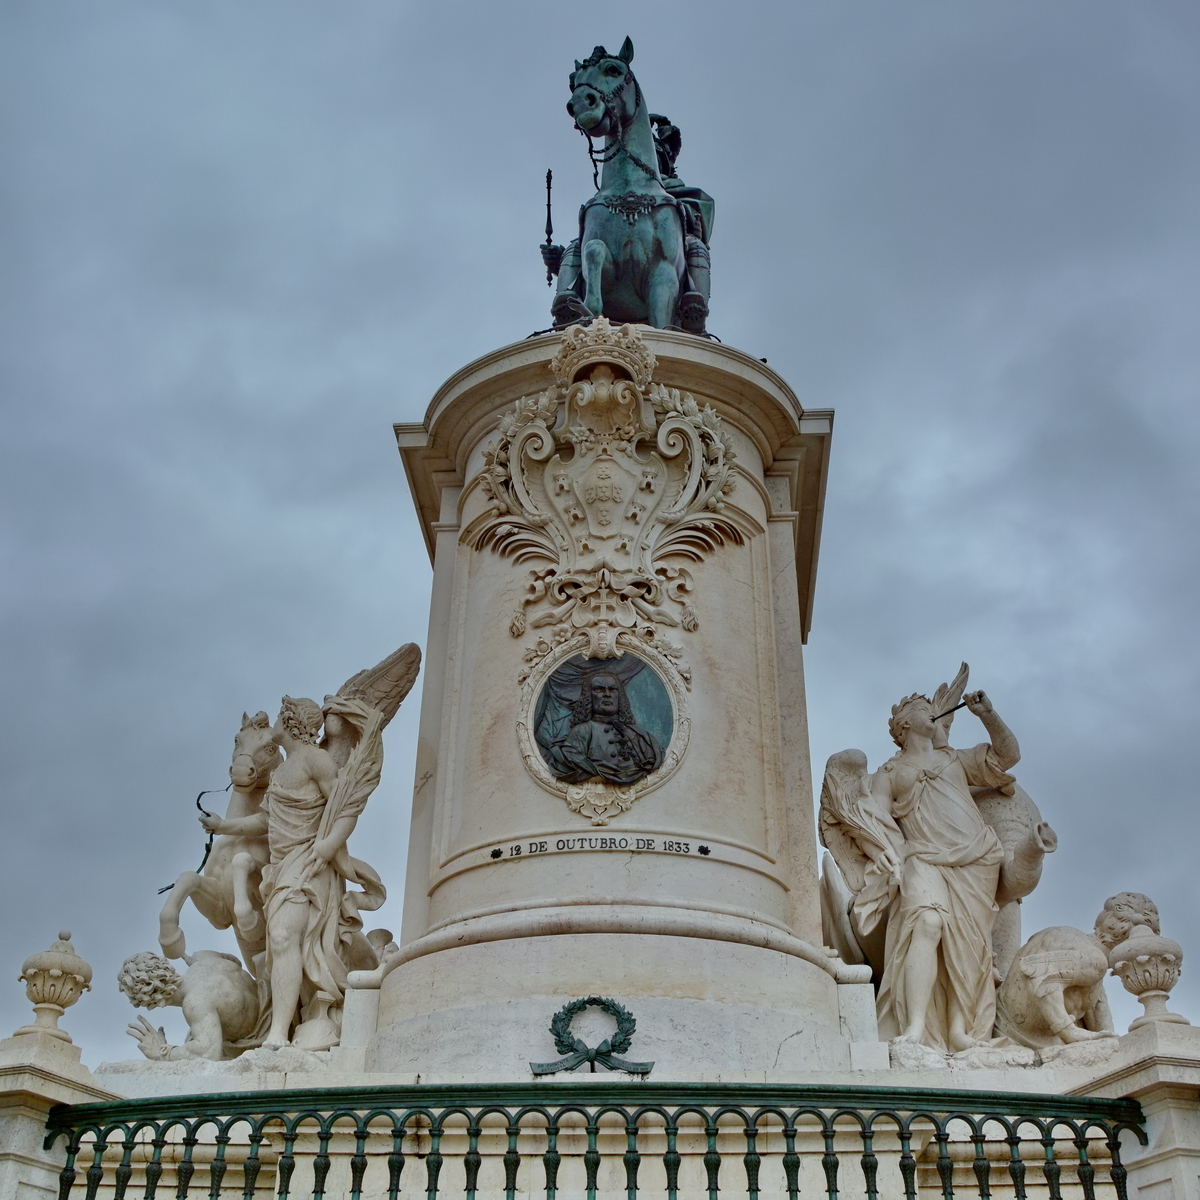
x=227 y=891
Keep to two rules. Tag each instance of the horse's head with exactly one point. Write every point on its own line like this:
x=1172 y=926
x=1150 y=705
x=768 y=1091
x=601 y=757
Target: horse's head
x=604 y=94
x=255 y=752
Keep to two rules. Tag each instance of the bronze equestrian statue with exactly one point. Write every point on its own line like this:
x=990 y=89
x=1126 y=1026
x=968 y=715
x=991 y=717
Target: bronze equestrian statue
x=642 y=251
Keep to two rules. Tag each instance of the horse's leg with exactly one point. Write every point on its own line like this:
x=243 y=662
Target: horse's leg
x=596 y=258
x=248 y=918
x=663 y=294
x=170 y=936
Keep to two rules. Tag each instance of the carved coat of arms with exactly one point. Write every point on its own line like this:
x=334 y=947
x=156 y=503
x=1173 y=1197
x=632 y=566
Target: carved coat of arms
x=601 y=479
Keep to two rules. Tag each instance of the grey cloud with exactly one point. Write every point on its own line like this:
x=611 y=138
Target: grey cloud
x=237 y=243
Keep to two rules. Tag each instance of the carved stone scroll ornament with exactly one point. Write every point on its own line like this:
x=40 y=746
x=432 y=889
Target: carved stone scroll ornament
x=603 y=478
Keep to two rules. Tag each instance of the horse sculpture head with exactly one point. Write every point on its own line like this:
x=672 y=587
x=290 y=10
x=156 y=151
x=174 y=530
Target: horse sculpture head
x=604 y=94
x=255 y=753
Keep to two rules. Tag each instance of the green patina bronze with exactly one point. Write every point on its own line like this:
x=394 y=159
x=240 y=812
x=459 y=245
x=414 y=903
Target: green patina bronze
x=642 y=251
x=575 y=1052
x=284 y=1143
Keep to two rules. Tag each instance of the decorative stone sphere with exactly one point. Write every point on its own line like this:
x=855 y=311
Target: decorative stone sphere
x=54 y=980
x=1148 y=966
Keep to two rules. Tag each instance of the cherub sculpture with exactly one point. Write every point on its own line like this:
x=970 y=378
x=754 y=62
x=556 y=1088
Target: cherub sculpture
x=312 y=804
x=925 y=869
x=1054 y=991
x=218 y=998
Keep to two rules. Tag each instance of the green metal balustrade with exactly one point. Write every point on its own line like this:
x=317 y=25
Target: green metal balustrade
x=596 y=1139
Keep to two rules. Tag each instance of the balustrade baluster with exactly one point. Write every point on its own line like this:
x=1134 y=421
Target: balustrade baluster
x=671 y=1161
x=186 y=1168
x=95 y=1173
x=908 y=1164
x=945 y=1165
x=1085 y=1170
x=1117 y=1172
x=829 y=1160
x=124 y=1171
x=712 y=1160
x=321 y=1162
x=252 y=1167
x=791 y=1161
x=591 y=1157
x=870 y=1163
x=752 y=1161
x=287 y=1163
x=396 y=1159
x=550 y=1160
x=471 y=1160
x=66 y=1177
x=433 y=1163
x=512 y=1161
x=1016 y=1167
x=1051 y=1168
x=981 y=1167
x=216 y=1170
x=154 y=1167
x=358 y=1164
x=633 y=1159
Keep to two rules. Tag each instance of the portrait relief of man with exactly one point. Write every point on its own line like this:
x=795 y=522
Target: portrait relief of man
x=596 y=737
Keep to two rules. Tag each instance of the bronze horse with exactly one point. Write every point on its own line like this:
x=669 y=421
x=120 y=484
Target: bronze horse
x=642 y=253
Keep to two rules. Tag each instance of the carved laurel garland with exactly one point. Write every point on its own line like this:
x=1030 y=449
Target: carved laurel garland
x=600 y=802
x=601 y=478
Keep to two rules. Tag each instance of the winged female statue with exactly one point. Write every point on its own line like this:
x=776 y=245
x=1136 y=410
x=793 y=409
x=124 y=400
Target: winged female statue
x=313 y=890
x=919 y=863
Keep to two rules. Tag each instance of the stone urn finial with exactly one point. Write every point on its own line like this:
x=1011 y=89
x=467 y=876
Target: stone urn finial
x=1148 y=965
x=54 y=980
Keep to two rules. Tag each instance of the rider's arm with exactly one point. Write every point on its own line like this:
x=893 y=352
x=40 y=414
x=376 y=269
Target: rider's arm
x=254 y=826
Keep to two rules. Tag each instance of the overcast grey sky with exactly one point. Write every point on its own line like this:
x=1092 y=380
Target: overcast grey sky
x=238 y=241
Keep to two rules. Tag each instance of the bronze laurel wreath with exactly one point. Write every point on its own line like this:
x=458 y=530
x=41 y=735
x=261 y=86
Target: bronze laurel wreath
x=560 y=1024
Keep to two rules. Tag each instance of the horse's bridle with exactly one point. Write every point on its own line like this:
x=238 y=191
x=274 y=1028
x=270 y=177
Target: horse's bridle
x=258 y=771
x=599 y=158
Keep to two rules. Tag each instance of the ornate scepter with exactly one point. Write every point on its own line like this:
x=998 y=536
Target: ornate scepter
x=549 y=225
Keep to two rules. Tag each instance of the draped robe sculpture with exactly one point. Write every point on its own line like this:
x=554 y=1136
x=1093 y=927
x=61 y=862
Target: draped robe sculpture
x=312 y=889
x=924 y=865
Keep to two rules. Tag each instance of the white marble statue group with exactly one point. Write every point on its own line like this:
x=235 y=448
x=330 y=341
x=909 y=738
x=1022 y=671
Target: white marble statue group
x=280 y=874
x=931 y=856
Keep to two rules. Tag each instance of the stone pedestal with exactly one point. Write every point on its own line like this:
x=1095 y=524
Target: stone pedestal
x=37 y=1071
x=633 y=499
x=1159 y=1066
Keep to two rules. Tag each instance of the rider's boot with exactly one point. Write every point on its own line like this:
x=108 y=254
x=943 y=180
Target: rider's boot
x=693 y=312
x=568 y=309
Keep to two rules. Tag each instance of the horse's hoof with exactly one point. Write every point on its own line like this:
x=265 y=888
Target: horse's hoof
x=568 y=309
x=174 y=945
x=693 y=312
x=249 y=924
